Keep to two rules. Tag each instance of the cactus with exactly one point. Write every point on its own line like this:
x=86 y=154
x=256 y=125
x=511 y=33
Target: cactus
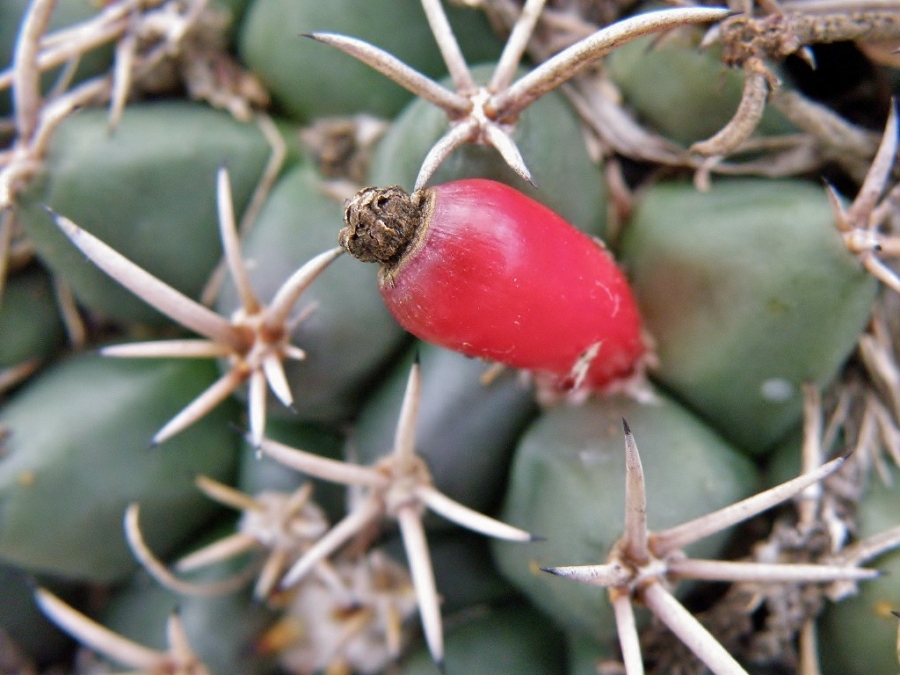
x=294 y=474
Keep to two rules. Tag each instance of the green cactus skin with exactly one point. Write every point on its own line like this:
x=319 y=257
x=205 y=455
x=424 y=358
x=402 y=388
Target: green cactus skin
x=148 y=190
x=77 y=454
x=858 y=635
x=510 y=640
x=548 y=135
x=684 y=92
x=584 y=654
x=24 y=623
x=748 y=292
x=468 y=462
x=310 y=80
x=784 y=461
x=30 y=325
x=464 y=573
x=350 y=335
x=568 y=485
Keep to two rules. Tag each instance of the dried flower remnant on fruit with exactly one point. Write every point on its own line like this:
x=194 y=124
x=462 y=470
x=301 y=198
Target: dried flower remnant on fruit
x=398 y=486
x=255 y=340
x=178 y=660
x=382 y=223
x=477 y=267
x=643 y=565
x=487 y=114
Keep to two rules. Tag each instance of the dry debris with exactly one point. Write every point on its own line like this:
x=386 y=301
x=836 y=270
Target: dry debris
x=643 y=566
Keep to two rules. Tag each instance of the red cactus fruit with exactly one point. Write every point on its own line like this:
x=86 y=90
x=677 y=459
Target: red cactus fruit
x=477 y=267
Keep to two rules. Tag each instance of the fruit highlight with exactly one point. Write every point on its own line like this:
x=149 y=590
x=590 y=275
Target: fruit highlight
x=477 y=267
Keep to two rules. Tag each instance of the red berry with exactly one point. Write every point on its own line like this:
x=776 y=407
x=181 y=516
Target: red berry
x=477 y=267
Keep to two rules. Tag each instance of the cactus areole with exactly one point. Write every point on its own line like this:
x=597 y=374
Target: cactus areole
x=477 y=267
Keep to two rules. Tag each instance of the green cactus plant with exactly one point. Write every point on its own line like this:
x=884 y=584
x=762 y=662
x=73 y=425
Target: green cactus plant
x=756 y=291
x=154 y=178
x=67 y=478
